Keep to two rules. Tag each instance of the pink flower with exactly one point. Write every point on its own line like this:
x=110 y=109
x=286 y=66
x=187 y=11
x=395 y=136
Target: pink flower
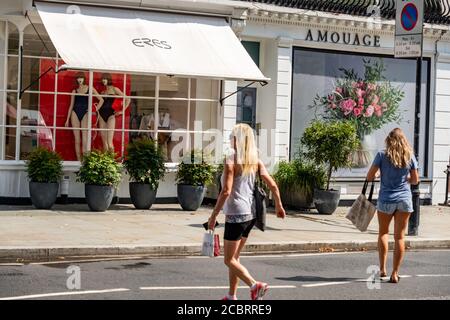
x=369 y=111
x=360 y=102
x=332 y=105
x=378 y=111
x=347 y=106
x=375 y=100
x=357 y=111
x=330 y=97
x=360 y=93
x=339 y=90
x=384 y=106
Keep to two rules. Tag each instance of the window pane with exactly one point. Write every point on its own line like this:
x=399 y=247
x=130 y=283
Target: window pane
x=2 y=36
x=78 y=116
x=172 y=114
x=71 y=144
x=317 y=72
x=143 y=86
x=13 y=73
x=31 y=138
x=142 y=114
x=10 y=143
x=13 y=39
x=11 y=109
x=37 y=109
x=108 y=140
x=174 y=145
x=2 y=72
x=170 y=87
x=204 y=114
x=204 y=89
x=35 y=67
x=68 y=81
x=32 y=44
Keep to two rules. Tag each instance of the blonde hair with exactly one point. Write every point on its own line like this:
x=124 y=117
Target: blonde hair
x=246 y=155
x=398 y=149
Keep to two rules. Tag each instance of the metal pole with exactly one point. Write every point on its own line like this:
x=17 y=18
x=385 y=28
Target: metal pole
x=413 y=225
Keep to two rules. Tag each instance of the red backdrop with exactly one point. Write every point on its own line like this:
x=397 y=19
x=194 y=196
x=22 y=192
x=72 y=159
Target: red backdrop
x=67 y=83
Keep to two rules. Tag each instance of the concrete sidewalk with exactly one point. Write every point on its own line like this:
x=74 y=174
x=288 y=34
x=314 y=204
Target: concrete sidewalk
x=71 y=231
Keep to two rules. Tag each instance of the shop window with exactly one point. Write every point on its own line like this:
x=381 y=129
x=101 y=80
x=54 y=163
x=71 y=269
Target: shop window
x=32 y=43
x=316 y=73
x=253 y=49
x=13 y=73
x=37 y=109
x=13 y=39
x=171 y=87
x=246 y=106
x=2 y=37
x=31 y=138
x=204 y=89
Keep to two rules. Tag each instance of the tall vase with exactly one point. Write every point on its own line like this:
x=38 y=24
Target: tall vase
x=364 y=155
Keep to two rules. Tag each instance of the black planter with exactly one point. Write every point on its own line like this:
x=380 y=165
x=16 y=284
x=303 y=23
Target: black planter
x=43 y=195
x=190 y=197
x=98 y=198
x=142 y=195
x=325 y=201
x=296 y=199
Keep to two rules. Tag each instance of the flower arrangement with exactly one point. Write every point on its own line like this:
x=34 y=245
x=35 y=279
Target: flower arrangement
x=368 y=103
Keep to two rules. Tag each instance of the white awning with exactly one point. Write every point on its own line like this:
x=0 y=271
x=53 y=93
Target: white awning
x=122 y=40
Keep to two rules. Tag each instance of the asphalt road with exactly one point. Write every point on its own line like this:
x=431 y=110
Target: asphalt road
x=425 y=275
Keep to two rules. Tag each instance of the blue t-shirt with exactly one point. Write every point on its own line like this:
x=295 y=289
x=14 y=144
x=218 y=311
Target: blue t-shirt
x=394 y=181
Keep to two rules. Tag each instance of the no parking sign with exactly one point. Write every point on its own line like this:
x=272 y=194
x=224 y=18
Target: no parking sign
x=409 y=28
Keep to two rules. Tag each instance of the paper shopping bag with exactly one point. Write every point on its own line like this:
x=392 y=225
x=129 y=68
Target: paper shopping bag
x=208 y=244
x=362 y=210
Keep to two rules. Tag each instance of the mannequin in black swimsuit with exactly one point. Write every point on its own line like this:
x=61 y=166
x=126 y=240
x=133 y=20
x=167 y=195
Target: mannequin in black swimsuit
x=77 y=114
x=107 y=115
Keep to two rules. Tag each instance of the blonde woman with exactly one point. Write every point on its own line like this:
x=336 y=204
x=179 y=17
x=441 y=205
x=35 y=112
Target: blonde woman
x=237 y=201
x=399 y=169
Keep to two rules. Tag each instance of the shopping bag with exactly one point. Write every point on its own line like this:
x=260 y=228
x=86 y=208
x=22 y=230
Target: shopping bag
x=362 y=210
x=208 y=244
x=216 y=245
x=260 y=204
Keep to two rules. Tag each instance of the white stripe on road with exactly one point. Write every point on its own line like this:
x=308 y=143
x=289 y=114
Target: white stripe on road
x=210 y=288
x=322 y=284
x=433 y=275
x=57 y=294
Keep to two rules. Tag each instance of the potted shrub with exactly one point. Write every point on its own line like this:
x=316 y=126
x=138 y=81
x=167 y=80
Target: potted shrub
x=331 y=144
x=194 y=173
x=297 y=180
x=44 y=169
x=145 y=165
x=101 y=174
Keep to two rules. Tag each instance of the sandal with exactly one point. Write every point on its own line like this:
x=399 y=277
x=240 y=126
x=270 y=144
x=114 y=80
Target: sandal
x=394 y=280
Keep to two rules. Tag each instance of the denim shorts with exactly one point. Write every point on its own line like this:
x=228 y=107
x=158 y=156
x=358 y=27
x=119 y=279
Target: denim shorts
x=391 y=208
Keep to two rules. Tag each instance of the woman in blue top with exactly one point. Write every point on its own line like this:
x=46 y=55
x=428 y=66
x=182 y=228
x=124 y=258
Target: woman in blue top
x=398 y=168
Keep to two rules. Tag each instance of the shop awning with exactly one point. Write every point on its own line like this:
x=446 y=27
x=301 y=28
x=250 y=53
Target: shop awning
x=137 y=41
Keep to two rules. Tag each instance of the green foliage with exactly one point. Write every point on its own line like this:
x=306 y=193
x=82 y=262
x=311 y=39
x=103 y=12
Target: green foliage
x=299 y=176
x=44 y=165
x=330 y=143
x=100 y=168
x=195 y=169
x=145 y=162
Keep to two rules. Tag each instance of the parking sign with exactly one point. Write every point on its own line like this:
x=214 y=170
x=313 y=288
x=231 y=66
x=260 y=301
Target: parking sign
x=409 y=28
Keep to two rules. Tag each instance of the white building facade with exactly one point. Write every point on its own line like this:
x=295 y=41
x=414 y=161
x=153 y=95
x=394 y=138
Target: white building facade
x=301 y=51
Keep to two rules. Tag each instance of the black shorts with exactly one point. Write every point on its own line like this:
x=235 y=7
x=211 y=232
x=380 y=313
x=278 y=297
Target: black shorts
x=235 y=231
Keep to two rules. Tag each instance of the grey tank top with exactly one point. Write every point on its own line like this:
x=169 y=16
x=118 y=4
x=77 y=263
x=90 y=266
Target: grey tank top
x=240 y=205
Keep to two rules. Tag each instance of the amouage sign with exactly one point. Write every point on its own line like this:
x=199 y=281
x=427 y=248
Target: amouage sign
x=349 y=38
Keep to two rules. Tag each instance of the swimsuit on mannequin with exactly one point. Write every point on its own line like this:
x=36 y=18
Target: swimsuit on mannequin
x=80 y=106
x=107 y=110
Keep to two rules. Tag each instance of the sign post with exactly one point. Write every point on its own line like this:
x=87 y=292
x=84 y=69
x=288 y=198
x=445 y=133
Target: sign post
x=409 y=44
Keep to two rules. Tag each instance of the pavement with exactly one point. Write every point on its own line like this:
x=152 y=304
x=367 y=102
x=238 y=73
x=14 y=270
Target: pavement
x=72 y=231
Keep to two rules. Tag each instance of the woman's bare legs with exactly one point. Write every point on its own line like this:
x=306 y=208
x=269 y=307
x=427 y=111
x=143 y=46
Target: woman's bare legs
x=231 y=248
x=400 y=223
x=384 y=221
x=103 y=133
x=76 y=134
x=234 y=279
